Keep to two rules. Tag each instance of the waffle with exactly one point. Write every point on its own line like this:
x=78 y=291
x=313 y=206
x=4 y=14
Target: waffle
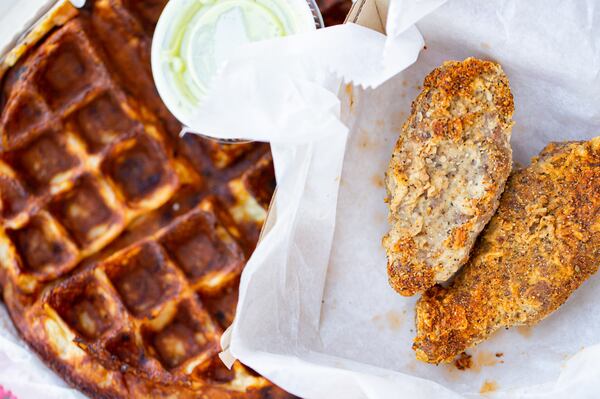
x=122 y=243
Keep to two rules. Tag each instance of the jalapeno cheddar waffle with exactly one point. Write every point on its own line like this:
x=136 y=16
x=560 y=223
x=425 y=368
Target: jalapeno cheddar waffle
x=121 y=243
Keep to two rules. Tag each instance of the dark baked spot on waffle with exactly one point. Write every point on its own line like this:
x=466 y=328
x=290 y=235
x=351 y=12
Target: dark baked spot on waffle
x=42 y=160
x=197 y=254
x=84 y=212
x=66 y=76
x=334 y=11
x=102 y=121
x=40 y=249
x=215 y=371
x=125 y=348
x=224 y=155
x=85 y=306
x=195 y=245
x=137 y=167
x=22 y=117
x=147 y=12
x=182 y=338
x=260 y=180
x=13 y=196
x=222 y=306
x=66 y=70
x=144 y=279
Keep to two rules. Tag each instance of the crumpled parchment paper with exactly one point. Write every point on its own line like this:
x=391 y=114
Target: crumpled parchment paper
x=316 y=314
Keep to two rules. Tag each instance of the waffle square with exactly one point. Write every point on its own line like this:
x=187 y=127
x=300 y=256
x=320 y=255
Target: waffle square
x=144 y=279
x=204 y=250
x=46 y=162
x=102 y=121
x=187 y=340
x=14 y=198
x=87 y=214
x=138 y=169
x=26 y=115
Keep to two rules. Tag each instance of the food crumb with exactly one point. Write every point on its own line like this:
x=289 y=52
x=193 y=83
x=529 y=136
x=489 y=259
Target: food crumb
x=394 y=320
x=499 y=354
x=350 y=95
x=378 y=181
x=364 y=140
x=390 y=320
x=488 y=386
x=525 y=331
x=349 y=89
x=464 y=361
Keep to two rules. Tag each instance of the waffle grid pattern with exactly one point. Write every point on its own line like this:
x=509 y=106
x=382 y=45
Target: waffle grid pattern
x=76 y=200
x=122 y=244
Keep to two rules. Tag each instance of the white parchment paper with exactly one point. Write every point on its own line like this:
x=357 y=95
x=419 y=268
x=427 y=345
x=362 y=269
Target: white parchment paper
x=316 y=314
x=22 y=372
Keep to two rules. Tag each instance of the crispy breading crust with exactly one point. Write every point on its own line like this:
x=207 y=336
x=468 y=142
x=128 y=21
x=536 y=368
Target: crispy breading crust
x=447 y=172
x=543 y=242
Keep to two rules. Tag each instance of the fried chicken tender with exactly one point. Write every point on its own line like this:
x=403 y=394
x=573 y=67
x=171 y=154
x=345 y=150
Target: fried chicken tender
x=447 y=172
x=541 y=245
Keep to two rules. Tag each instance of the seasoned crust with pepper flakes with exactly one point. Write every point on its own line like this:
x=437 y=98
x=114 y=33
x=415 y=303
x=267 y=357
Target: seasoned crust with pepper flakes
x=447 y=172
x=541 y=245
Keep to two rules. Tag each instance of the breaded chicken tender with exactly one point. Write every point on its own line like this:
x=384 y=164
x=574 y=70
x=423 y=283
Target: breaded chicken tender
x=541 y=245
x=447 y=172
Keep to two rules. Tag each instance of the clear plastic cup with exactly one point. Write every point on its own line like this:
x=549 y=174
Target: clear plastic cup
x=182 y=70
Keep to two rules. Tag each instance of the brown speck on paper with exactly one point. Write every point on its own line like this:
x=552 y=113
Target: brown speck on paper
x=478 y=361
x=394 y=320
x=488 y=386
x=525 y=331
x=463 y=362
x=350 y=95
x=484 y=359
x=475 y=363
x=378 y=321
x=349 y=89
x=485 y=45
x=378 y=181
x=365 y=141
